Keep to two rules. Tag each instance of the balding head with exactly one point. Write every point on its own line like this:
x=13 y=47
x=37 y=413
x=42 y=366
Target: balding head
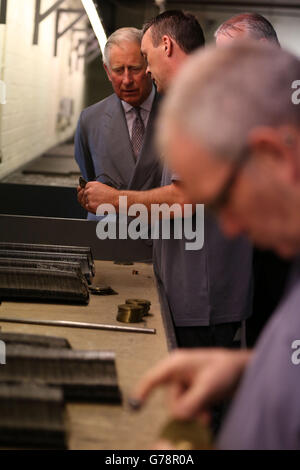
x=246 y=26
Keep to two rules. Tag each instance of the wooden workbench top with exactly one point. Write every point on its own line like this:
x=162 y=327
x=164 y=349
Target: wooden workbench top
x=94 y=426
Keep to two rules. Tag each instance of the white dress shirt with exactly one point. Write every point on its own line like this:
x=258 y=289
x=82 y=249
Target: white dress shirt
x=145 y=110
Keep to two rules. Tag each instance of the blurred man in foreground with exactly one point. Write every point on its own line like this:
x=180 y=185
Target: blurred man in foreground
x=230 y=127
x=270 y=272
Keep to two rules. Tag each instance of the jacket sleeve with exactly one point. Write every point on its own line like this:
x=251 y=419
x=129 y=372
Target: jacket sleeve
x=82 y=152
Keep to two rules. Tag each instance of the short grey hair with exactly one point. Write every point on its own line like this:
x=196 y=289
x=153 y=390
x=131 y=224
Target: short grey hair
x=120 y=36
x=221 y=94
x=255 y=24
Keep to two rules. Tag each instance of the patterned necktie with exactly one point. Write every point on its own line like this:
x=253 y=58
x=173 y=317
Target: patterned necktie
x=138 y=131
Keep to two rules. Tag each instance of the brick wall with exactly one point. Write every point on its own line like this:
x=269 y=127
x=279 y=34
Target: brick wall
x=36 y=82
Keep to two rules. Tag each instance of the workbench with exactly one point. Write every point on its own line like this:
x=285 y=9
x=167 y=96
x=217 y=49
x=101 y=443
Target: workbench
x=97 y=426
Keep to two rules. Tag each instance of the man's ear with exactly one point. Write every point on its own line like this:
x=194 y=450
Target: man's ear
x=168 y=45
x=107 y=72
x=275 y=149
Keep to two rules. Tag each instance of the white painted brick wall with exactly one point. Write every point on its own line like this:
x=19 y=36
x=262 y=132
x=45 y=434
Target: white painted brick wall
x=36 y=81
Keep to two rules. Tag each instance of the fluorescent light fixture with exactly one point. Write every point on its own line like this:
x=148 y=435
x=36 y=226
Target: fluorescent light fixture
x=2 y=92
x=95 y=21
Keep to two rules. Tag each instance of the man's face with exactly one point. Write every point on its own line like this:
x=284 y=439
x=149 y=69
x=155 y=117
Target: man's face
x=261 y=203
x=127 y=73
x=155 y=58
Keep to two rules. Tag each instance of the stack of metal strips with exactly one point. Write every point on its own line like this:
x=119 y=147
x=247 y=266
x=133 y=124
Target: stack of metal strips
x=32 y=415
x=42 y=285
x=45 y=272
x=39 y=264
x=83 y=375
x=79 y=250
x=49 y=257
x=38 y=341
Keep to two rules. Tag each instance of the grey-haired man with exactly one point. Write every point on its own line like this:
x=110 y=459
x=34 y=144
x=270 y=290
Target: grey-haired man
x=114 y=138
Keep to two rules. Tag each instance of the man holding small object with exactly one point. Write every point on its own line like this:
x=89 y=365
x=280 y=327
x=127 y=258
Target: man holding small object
x=208 y=290
x=113 y=142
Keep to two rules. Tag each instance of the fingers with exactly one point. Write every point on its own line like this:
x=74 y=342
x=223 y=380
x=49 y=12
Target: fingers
x=175 y=395
x=192 y=378
x=80 y=193
x=82 y=197
x=95 y=194
x=90 y=196
x=210 y=383
x=155 y=377
x=192 y=401
x=94 y=184
x=164 y=372
x=174 y=392
x=195 y=380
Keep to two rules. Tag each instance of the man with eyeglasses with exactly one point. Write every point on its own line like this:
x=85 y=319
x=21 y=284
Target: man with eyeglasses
x=236 y=145
x=270 y=272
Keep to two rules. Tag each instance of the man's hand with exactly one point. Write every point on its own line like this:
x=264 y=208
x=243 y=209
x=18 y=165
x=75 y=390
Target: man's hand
x=96 y=193
x=195 y=379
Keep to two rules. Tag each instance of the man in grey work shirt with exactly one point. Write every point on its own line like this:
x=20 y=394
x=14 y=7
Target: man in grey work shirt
x=114 y=137
x=208 y=290
x=249 y=176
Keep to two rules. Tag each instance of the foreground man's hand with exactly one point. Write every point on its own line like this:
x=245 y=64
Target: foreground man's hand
x=96 y=193
x=195 y=379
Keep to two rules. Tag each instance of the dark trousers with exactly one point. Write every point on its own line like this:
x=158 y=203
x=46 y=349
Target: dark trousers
x=271 y=274
x=208 y=337
x=221 y=335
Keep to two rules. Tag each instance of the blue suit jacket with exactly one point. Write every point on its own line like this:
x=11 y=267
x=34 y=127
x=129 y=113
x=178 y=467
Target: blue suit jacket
x=103 y=148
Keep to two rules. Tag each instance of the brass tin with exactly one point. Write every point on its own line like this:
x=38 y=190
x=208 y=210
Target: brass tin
x=143 y=302
x=130 y=313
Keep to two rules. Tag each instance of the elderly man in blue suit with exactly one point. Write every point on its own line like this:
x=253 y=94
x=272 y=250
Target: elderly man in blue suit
x=113 y=142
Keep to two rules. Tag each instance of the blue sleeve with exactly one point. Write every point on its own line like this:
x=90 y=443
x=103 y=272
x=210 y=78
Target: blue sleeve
x=168 y=177
x=265 y=413
x=82 y=152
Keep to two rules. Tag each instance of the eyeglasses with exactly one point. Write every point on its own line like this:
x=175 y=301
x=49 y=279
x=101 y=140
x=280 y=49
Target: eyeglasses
x=222 y=199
